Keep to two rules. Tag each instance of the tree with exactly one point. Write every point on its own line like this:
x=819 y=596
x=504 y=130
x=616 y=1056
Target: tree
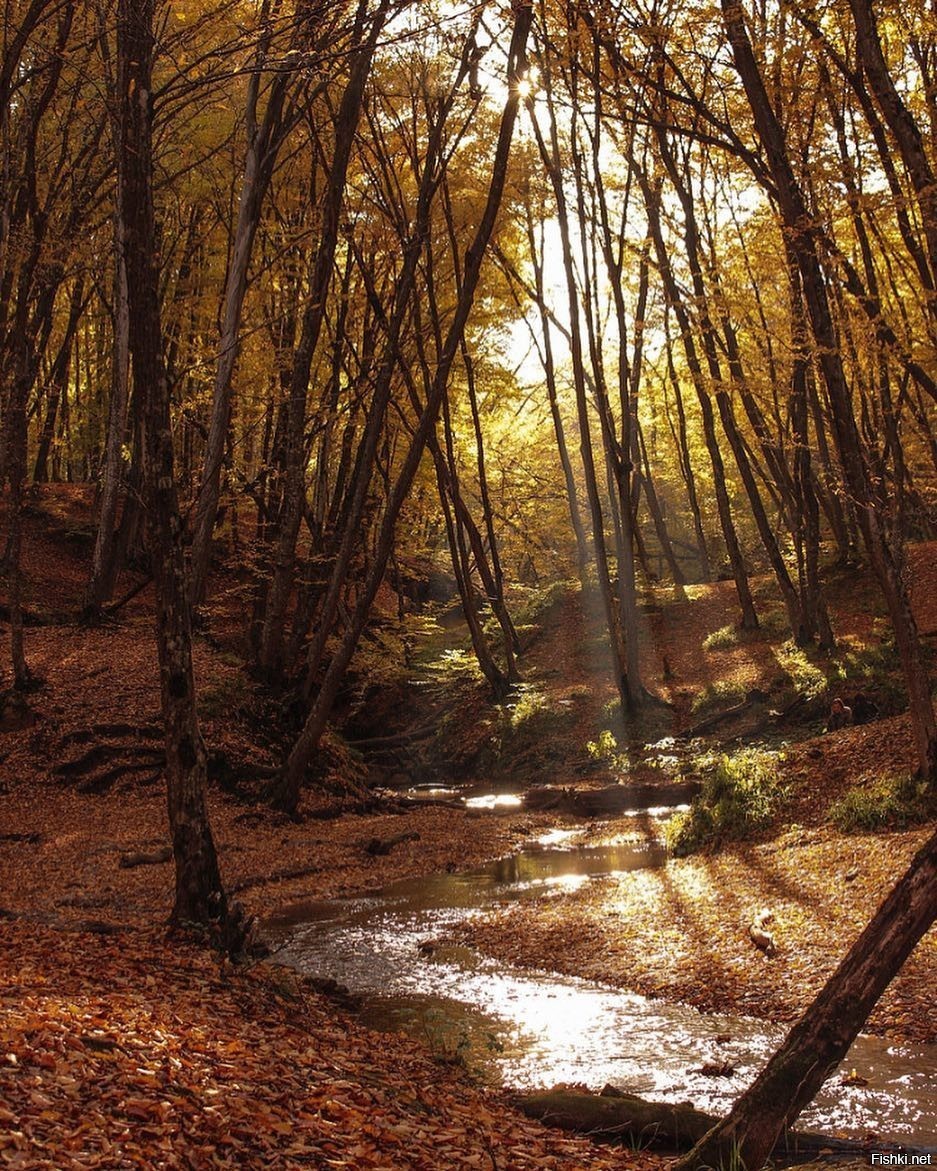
x=286 y=794
x=885 y=549
x=199 y=894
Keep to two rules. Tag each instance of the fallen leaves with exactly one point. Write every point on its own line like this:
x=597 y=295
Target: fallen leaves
x=142 y=1053
x=679 y=933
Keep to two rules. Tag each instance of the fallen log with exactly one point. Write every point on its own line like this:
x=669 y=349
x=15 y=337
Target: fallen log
x=715 y=720
x=611 y=799
x=617 y=1115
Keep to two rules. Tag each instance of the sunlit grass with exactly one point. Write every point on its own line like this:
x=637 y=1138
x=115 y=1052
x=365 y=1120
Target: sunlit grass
x=722 y=693
x=805 y=676
x=884 y=803
x=725 y=636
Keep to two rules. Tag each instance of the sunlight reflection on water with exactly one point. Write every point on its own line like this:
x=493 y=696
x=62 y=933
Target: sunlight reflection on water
x=536 y=1029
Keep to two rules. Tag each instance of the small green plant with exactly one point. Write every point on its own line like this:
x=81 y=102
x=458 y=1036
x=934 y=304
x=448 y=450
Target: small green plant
x=451 y=1042
x=723 y=693
x=722 y=638
x=604 y=747
x=529 y=704
x=530 y=604
x=806 y=677
x=741 y=794
x=771 y=624
x=450 y=1046
x=885 y=802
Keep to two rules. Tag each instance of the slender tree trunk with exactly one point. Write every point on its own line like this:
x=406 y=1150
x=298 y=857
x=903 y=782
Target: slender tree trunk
x=549 y=373
x=885 y=550
x=354 y=505
x=286 y=792
x=652 y=201
x=104 y=562
x=346 y=122
x=901 y=123
x=686 y=462
x=807 y=506
x=199 y=895
x=58 y=380
x=263 y=144
x=550 y=156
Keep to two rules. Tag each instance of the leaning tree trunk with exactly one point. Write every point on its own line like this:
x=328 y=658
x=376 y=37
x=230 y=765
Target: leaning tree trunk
x=652 y=202
x=285 y=793
x=199 y=895
x=263 y=145
x=58 y=381
x=549 y=151
x=320 y=278
x=820 y=1040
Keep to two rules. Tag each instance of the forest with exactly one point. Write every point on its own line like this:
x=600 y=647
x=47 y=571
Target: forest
x=468 y=502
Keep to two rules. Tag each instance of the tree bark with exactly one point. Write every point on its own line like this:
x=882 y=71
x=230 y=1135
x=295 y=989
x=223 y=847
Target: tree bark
x=199 y=895
x=346 y=122
x=103 y=562
x=885 y=548
x=263 y=145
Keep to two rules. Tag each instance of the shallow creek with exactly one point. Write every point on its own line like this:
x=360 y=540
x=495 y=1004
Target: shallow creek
x=536 y=1029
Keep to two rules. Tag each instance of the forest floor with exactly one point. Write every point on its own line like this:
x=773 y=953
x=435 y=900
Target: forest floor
x=123 y=1047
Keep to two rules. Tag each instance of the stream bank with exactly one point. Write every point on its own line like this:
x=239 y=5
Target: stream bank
x=402 y=952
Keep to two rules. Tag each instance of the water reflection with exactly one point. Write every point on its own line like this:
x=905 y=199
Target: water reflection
x=535 y=1029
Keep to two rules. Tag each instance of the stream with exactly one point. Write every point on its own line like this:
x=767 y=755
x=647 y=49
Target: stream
x=531 y=1029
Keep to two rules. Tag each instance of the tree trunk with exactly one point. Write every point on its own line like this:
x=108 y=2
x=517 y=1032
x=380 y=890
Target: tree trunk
x=821 y=1038
x=652 y=199
x=346 y=122
x=552 y=162
x=263 y=144
x=58 y=379
x=103 y=562
x=286 y=792
x=900 y=121
x=885 y=549
x=549 y=373
x=199 y=895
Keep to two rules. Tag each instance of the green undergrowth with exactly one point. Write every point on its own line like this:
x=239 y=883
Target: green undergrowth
x=884 y=803
x=741 y=795
x=870 y=664
x=772 y=624
x=715 y=696
x=527 y=734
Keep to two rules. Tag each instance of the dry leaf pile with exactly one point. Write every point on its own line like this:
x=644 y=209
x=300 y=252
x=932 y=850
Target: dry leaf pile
x=133 y=1052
